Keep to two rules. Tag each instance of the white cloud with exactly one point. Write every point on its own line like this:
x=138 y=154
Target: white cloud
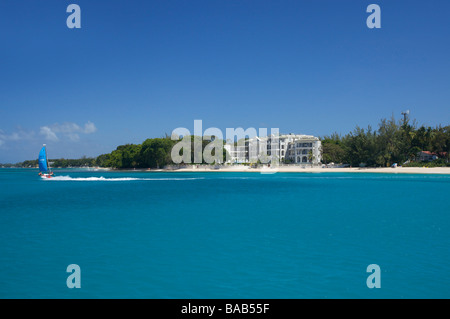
x=51 y=133
x=69 y=130
x=89 y=128
x=73 y=137
x=48 y=134
x=15 y=136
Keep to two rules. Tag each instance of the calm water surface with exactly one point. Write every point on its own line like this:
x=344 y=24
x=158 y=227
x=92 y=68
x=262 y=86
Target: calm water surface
x=223 y=235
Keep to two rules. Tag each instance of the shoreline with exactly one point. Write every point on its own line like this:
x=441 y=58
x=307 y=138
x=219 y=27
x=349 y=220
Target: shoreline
x=287 y=169
x=281 y=169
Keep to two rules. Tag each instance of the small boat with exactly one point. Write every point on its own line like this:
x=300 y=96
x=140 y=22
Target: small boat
x=44 y=168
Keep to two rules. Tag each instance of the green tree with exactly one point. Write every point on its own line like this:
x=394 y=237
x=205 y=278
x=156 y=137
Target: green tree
x=156 y=152
x=333 y=149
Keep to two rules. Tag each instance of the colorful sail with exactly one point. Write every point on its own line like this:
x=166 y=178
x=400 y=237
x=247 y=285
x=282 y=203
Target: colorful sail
x=43 y=161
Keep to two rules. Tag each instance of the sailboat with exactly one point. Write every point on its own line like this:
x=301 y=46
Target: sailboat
x=44 y=168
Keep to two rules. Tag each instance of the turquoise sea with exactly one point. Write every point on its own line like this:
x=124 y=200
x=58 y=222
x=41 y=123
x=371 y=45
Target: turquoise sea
x=223 y=235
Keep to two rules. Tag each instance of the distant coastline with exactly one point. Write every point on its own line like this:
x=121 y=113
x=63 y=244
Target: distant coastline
x=397 y=145
x=281 y=169
x=293 y=169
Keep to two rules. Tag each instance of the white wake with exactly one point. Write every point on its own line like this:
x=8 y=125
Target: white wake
x=117 y=179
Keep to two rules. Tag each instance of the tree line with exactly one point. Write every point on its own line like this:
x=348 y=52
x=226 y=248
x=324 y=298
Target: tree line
x=152 y=153
x=60 y=163
x=393 y=142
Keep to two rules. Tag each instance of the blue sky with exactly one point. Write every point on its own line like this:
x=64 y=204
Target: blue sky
x=139 y=69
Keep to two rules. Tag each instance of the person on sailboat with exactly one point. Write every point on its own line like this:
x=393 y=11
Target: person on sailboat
x=44 y=168
x=40 y=174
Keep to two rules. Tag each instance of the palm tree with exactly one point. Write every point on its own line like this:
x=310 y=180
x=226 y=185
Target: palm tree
x=310 y=158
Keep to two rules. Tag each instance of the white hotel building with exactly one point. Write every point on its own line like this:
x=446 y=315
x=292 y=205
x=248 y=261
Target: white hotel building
x=289 y=148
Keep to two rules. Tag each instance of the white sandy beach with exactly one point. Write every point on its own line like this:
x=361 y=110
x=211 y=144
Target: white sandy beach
x=296 y=169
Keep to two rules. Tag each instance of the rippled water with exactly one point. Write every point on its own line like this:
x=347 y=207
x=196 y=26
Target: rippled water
x=223 y=235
